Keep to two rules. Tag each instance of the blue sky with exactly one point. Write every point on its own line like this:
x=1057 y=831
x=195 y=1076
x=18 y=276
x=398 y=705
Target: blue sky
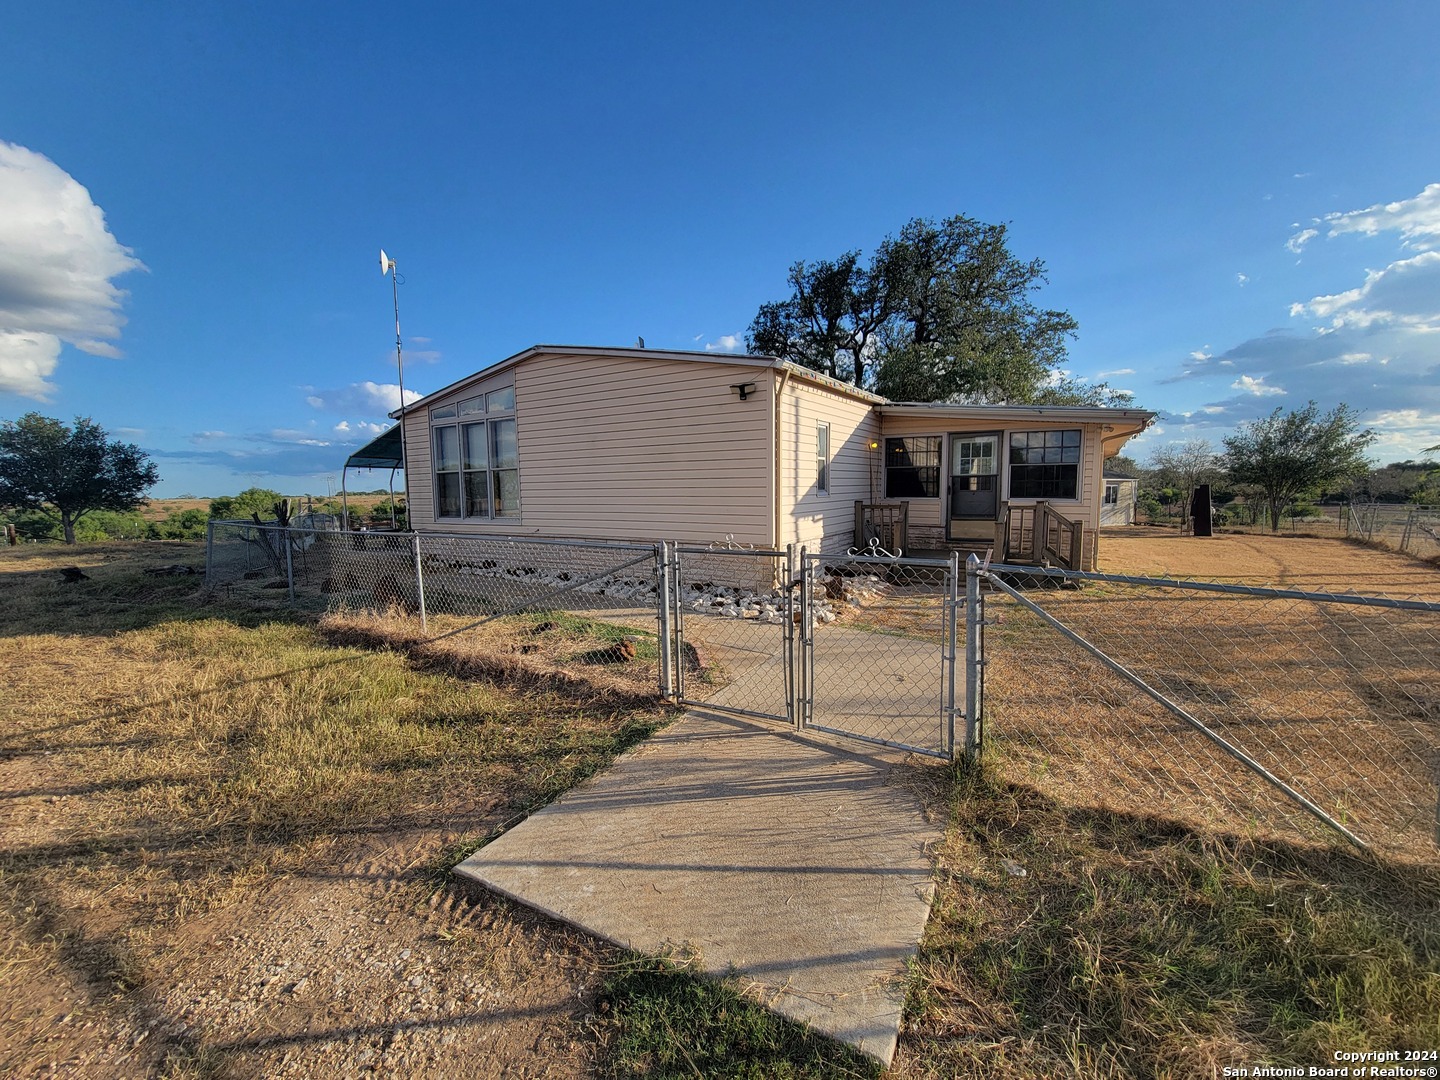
x=1241 y=206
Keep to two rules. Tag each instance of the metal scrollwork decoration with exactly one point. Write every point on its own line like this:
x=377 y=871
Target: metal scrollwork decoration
x=730 y=544
x=873 y=550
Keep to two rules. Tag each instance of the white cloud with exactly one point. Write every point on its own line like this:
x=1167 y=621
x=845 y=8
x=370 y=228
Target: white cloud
x=1242 y=280
x=1115 y=373
x=1258 y=387
x=27 y=360
x=1406 y=293
x=368 y=398
x=301 y=438
x=1297 y=242
x=1201 y=354
x=1354 y=358
x=1416 y=219
x=57 y=259
x=359 y=427
x=726 y=343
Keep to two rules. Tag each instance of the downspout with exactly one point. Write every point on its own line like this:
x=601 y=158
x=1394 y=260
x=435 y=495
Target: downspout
x=775 y=438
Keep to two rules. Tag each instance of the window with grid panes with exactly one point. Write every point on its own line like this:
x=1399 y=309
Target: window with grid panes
x=477 y=469
x=912 y=467
x=1045 y=464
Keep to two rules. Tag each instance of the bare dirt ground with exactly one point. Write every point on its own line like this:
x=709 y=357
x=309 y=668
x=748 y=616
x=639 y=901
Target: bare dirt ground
x=1280 y=561
x=355 y=965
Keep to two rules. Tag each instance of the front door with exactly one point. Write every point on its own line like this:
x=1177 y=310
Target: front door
x=974 y=482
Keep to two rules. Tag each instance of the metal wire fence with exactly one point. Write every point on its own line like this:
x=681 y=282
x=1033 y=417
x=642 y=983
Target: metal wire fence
x=1232 y=707
x=1244 y=709
x=735 y=614
x=454 y=584
x=880 y=649
x=1414 y=530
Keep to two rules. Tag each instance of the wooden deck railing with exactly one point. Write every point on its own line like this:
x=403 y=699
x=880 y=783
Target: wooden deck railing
x=885 y=523
x=1040 y=535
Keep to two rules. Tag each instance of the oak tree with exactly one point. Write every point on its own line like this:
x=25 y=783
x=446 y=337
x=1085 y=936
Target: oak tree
x=70 y=471
x=1301 y=452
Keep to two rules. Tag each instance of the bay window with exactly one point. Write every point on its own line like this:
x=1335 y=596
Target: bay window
x=477 y=469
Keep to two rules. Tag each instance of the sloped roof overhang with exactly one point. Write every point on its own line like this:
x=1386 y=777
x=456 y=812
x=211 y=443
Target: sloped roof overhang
x=381 y=452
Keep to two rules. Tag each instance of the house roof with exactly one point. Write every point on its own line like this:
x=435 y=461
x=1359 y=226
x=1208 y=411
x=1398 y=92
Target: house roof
x=1080 y=414
x=732 y=359
x=1123 y=422
x=1110 y=475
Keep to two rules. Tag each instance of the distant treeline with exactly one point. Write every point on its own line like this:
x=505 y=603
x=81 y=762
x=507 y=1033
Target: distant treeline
x=190 y=524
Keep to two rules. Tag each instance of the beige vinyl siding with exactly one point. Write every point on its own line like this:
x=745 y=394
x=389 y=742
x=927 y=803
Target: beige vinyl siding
x=824 y=521
x=633 y=448
x=419 y=481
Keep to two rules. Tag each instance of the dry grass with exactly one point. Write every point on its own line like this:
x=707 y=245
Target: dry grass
x=1136 y=946
x=1341 y=702
x=167 y=759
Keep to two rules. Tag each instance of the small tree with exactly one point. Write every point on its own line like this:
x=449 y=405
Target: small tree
x=70 y=471
x=1302 y=452
x=1184 y=467
x=253 y=500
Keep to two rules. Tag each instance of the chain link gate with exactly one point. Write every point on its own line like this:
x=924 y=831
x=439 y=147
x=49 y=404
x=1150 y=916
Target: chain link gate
x=878 y=645
x=733 y=615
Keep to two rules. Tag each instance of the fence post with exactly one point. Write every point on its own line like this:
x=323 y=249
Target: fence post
x=952 y=630
x=974 y=733
x=289 y=562
x=804 y=643
x=677 y=619
x=419 y=579
x=662 y=617
x=787 y=636
x=209 y=554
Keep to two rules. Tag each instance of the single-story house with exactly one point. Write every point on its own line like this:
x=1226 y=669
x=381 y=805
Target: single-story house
x=647 y=444
x=1122 y=496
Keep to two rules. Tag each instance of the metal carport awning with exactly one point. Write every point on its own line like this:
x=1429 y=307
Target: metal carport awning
x=382 y=452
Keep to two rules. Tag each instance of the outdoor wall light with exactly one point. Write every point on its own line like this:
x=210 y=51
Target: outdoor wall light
x=744 y=389
x=874 y=445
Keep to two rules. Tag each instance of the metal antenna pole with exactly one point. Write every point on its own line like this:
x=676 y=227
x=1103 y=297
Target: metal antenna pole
x=400 y=370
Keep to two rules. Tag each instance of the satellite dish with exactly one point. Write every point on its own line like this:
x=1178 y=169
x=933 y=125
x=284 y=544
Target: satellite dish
x=385 y=262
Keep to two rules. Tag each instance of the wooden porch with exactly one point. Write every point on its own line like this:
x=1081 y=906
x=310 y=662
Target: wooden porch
x=1031 y=535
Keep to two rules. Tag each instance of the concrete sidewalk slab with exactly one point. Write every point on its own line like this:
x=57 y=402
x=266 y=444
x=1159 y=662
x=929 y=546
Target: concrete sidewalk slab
x=788 y=859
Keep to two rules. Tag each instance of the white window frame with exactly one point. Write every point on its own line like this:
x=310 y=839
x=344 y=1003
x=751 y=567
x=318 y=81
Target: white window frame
x=822 y=458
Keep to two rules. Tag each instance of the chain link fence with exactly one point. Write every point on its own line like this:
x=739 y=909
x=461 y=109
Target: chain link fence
x=1242 y=709
x=880 y=649
x=735 y=613
x=580 y=602
x=1238 y=708
x=1415 y=530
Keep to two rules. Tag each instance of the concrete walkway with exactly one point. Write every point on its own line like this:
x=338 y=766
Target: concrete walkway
x=787 y=860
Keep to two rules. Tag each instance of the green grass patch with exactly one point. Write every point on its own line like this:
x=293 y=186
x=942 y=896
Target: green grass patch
x=657 y=1020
